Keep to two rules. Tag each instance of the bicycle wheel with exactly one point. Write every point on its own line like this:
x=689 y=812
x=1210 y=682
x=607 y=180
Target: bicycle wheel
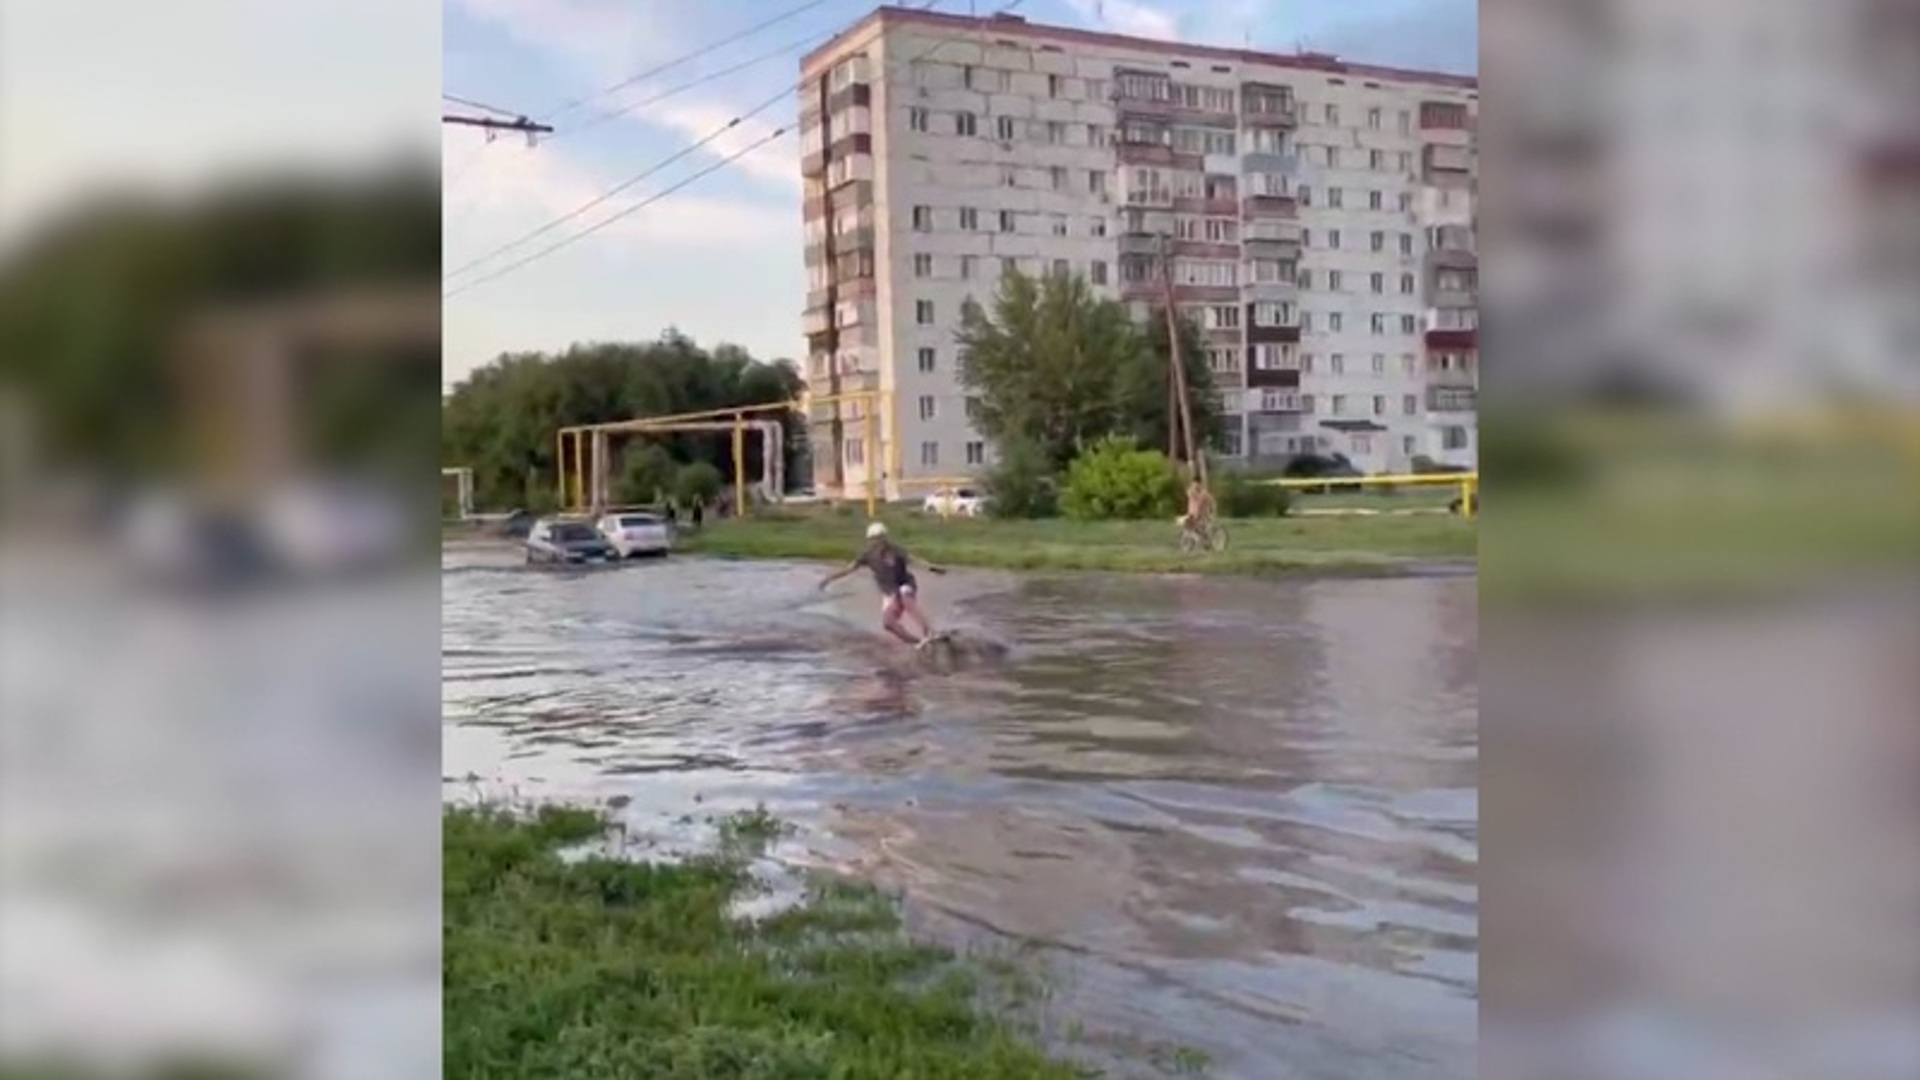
x=1189 y=543
x=1217 y=538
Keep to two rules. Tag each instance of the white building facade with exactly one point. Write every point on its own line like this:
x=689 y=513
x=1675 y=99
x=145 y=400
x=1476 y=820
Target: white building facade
x=1317 y=217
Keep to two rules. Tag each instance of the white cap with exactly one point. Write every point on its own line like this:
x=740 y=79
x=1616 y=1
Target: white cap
x=876 y=529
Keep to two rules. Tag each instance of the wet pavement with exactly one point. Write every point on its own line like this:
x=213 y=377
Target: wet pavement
x=1238 y=816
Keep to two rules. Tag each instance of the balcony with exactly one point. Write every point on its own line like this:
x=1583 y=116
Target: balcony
x=1139 y=243
x=1273 y=335
x=1267 y=105
x=1269 y=206
x=1213 y=205
x=1219 y=336
x=853 y=94
x=1438 y=376
x=1460 y=258
x=1262 y=247
x=1280 y=163
x=1207 y=294
x=1144 y=153
x=860 y=239
x=1452 y=399
x=1270 y=400
x=1155 y=197
x=815 y=320
x=1452 y=338
x=1205 y=249
x=1438 y=159
x=1453 y=298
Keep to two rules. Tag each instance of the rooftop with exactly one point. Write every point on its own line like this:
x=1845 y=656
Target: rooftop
x=1014 y=26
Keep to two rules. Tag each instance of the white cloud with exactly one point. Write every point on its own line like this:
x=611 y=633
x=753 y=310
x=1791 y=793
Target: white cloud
x=1129 y=17
x=512 y=189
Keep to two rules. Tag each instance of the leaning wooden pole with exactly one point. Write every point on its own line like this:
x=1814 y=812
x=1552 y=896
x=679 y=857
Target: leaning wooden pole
x=1177 y=370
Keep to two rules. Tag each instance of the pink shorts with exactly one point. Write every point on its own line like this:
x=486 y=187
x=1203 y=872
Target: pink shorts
x=891 y=603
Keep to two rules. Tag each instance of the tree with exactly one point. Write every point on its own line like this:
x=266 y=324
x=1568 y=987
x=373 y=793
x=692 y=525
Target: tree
x=501 y=420
x=1058 y=366
x=647 y=473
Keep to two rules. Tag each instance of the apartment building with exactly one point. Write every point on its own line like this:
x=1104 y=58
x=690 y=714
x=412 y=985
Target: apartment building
x=1317 y=217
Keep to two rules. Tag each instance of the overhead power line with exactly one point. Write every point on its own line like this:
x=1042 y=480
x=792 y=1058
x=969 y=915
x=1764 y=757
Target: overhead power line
x=807 y=42
x=481 y=105
x=624 y=185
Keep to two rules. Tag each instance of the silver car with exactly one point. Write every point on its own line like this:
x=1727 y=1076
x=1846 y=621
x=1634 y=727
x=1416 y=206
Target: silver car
x=634 y=534
x=567 y=543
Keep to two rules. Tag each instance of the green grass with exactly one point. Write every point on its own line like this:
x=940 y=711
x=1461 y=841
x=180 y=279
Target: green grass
x=574 y=966
x=1258 y=546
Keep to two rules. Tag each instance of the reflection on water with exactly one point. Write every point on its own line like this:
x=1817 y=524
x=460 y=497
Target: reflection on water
x=1241 y=815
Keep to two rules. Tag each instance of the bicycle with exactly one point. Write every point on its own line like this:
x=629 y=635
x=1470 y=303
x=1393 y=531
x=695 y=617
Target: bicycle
x=1211 y=536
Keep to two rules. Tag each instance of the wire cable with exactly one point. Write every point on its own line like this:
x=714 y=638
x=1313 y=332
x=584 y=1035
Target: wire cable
x=481 y=105
x=678 y=185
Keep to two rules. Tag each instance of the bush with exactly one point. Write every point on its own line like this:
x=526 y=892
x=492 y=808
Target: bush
x=1021 y=485
x=1236 y=495
x=1114 y=480
x=697 y=482
x=647 y=473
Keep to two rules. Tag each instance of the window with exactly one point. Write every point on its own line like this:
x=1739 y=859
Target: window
x=1008 y=265
x=1379 y=404
x=1009 y=176
x=1336 y=322
x=1406 y=201
x=1333 y=239
x=967 y=77
x=1271 y=357
x=1096 y=182
x=1339 y=404
x=1333 y=157
x=969 y=218
x=1379 y=363
x=1061 y=268
x=923 y=219
x=966 y=267
x=1057 y=176
x=1096 y=226
x=1306 y=404
x=1304 y=279
x=1333 y=114
x=923 y=312
x=972 y=408
x=856 y=451
x=927 y=360
x=922 y=265
x=1222 y=231
x=1378 y=239
x=1306 y=322
x=1408 y=444
x=1373 y=118
x=1407 y=364
x=1097 y=272
x=1377 y=282
x=1003 y=126
x=1409 y=324
x=1453 y=437
x=1006 y=221
x=1406 y=284
x=929 y=453
x=1059 y=224
x=1410 y=404
x=1406 y=122
x=1337 y=364
x=1054 y=85
x=964 y=124
x=1377 y=161
x=1273 y=313
x=926 y=406
x=1406 y=243
x=1377 y=323
x=1335 y=198
x=1271 y=270
x=917 y=119
x=1221 y=317
x=1362 y=444
x=1376 y=200
x=1334 y=280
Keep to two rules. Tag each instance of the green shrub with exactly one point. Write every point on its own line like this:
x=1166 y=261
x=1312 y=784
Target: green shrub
x=1115 y=480
x=647 y=473
x=1236 y=495
x=698 y=482
x=1021 y=484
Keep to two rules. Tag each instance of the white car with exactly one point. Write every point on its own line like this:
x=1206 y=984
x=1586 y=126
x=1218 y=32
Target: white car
x=950 y=502
x=637 y=534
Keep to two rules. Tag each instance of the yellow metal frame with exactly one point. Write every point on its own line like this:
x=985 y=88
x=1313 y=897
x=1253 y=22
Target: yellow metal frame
x=1468 y=483
x=571 y=446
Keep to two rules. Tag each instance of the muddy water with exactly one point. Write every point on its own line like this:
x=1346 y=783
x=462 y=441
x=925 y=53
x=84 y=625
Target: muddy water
x=1239 y=816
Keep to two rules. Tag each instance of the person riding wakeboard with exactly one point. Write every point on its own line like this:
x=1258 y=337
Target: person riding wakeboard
x=893 y=572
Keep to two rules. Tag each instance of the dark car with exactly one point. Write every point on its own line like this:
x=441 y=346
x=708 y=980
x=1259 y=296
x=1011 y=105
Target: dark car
x=1317 y=466
x=567 y=543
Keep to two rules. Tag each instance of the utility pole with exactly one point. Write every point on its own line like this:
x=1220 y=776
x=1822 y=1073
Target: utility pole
x=829 y=257
x=1177 y=369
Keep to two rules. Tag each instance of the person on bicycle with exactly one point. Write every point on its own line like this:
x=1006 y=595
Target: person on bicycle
x=1200 y=507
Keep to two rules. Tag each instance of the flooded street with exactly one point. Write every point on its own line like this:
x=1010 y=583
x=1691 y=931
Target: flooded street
x=1238 y=815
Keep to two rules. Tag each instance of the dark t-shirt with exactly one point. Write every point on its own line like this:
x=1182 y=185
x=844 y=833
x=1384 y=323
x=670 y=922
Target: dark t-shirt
x=888 y=564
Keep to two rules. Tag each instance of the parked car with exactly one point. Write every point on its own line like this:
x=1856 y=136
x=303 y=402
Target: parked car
x=632 y=534
x=567 y=543
x=949 y=502
x=1316 y=466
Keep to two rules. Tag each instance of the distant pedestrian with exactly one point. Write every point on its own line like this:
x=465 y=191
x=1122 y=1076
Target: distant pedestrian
x=698 y=511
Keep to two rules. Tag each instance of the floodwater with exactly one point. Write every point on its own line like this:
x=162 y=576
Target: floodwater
x=1235 y=815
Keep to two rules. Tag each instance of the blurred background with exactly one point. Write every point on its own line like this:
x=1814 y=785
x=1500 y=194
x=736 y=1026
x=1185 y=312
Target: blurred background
x=219 y=691
x=1700 y=761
